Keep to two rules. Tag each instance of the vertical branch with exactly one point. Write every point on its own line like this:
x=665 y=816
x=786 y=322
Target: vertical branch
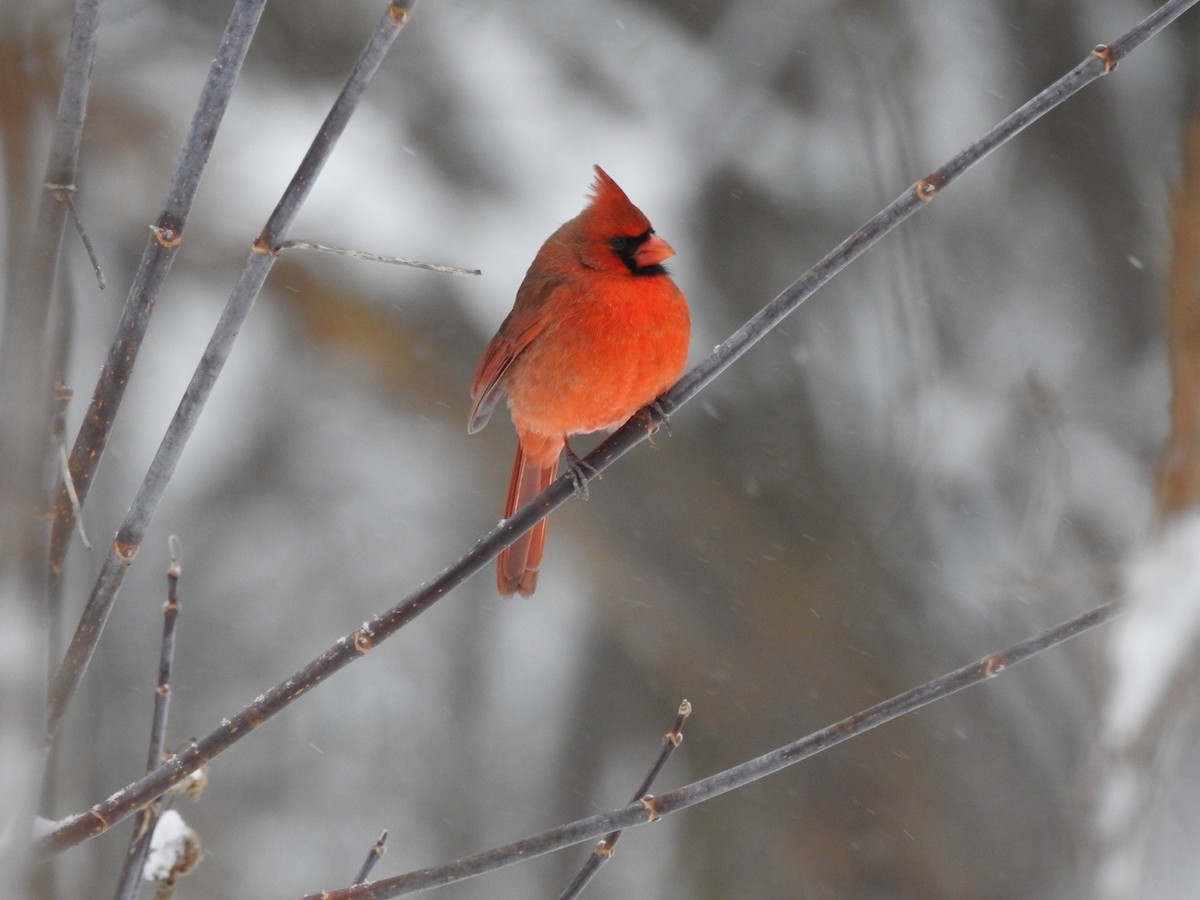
x=26 y=413
x=262 y=256
x=24 y=373
x=144 y=822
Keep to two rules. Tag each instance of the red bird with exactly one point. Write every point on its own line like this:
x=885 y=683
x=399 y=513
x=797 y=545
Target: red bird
x=598 y=330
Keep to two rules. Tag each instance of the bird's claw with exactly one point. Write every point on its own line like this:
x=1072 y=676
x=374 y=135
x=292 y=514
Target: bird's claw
x=664 y=418
x=577 y=469
x=651 y=425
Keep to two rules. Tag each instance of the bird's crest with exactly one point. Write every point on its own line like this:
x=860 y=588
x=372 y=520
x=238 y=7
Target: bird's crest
x=611 y=213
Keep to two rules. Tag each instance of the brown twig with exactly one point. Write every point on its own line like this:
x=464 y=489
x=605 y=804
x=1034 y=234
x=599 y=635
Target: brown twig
x=603 y=851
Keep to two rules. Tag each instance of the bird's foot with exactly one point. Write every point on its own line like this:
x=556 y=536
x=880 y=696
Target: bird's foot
x=578 y=469
x=664 y=416
x=651 y=425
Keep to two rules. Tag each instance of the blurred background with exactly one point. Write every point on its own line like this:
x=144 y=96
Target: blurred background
x=951 y=447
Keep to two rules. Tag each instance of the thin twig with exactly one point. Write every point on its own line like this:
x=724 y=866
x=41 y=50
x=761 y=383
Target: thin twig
x=357 y=643
x=262 y=256
x=65 y=192
x=373 y=856
x=69 y=486
x=166 y=236
x=143 y=828
x=603 y=851
x=652 y=809
x=371 y=257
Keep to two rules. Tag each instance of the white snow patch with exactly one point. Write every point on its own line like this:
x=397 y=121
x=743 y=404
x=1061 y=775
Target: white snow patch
x=1163 y=591
x=168 y=847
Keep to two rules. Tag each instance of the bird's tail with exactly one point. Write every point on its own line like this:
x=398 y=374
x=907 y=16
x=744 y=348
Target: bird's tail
x=517 y=566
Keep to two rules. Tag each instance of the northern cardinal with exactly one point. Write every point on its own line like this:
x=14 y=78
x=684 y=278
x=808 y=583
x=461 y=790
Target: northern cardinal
x=598 y=330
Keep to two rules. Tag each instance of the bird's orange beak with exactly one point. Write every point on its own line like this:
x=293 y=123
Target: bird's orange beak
x=654 y=250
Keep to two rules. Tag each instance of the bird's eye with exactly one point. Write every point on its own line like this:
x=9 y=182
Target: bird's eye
x=620 y=243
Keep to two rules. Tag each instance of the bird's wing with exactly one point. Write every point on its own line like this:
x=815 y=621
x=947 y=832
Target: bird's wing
x=518 y=331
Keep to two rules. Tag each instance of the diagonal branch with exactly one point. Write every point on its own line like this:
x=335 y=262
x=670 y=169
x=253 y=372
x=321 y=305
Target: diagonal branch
x=262 y=257
x=104 y=815
x=651 y=809
x=166 y=236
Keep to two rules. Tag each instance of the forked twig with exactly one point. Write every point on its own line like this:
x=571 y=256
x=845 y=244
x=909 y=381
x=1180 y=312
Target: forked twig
x=262 y=256
x=357 y=643
x=603 y=851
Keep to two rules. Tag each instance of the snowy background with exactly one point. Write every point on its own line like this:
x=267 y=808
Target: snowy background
x=951 y=447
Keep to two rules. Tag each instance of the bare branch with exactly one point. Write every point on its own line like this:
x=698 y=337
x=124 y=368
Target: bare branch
x=262 y=256
x=652 y=809
x=164 y=241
